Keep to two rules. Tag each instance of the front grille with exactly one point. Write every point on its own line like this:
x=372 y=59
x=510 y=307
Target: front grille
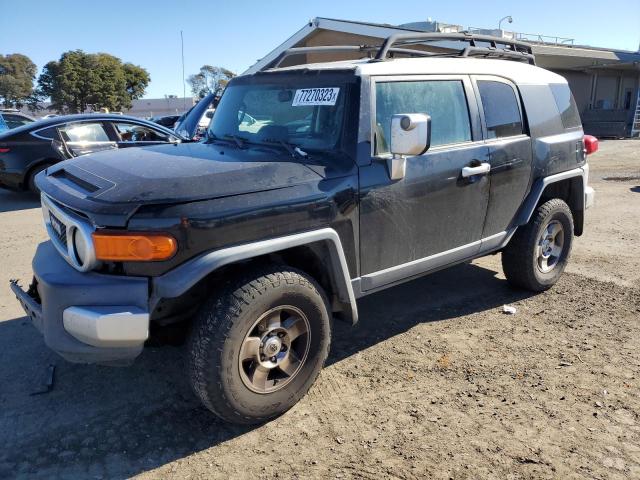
x=59 y=229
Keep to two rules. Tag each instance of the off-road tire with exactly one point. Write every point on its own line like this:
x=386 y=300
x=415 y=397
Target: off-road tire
x=519 y=258
x=219 y=330
x=31 y=179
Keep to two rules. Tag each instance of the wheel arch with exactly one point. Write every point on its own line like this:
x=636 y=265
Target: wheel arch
x=306 y=251
x=33 y=166
x=569 y=186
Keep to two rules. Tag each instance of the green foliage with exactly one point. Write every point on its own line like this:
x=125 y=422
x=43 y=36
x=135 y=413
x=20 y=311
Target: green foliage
x=81 y=80
x=17 y=73
x=209 y=80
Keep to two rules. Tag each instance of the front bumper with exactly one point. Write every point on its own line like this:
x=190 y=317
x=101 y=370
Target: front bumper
x=86 y=317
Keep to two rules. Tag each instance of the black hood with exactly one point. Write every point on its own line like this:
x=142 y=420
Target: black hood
x=115 y=183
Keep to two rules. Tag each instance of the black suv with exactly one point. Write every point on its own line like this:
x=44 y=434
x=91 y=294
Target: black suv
x=317 y=184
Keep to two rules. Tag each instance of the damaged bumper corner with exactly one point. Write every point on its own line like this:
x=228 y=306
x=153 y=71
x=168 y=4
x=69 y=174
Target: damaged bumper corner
x=85 y=317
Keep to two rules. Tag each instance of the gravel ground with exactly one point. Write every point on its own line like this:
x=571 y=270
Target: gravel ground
x=434 y=382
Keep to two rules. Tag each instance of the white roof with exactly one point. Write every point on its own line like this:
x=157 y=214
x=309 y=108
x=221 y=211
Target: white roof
x=518 y=72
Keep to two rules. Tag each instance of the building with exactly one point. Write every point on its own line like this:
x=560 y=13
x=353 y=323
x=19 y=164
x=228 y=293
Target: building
x=605 y=82
x=143 y=107
x=160 y=107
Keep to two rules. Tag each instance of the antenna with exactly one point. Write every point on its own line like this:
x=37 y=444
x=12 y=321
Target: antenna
x=184 y=94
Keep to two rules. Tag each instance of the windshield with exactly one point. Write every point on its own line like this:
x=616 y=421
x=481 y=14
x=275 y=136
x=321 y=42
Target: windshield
x=305 y=116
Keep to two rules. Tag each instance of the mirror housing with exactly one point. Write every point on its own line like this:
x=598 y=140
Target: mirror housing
x=410 y=136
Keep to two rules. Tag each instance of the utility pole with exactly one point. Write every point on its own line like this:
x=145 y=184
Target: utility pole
x=184 y=93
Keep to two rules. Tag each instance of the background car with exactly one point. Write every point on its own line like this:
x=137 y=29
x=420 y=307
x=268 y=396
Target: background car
x=10 y=118
x=27 y=150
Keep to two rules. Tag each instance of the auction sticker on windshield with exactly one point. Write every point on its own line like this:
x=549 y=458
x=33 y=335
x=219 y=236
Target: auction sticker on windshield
x=315 y=96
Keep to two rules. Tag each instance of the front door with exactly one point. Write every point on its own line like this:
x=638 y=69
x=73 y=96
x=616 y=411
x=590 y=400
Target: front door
x=128 y=134
x=435 y=214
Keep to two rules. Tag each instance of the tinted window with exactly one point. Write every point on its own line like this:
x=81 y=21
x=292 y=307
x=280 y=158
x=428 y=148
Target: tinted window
x=501 y=110
x=131 y=132
x=14 y=121
x=566 y=105
x=51 y=132
x=443 y=100
x=84 y=133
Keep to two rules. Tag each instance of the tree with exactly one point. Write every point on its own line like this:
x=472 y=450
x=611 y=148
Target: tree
x=136 y=80
x=80 y=80
x=17 y=73
x=210 y=80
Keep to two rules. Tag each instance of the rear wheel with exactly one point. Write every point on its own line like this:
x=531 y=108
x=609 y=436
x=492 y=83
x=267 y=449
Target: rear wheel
x=31 y=178
x=538 y=252
x=257 y=347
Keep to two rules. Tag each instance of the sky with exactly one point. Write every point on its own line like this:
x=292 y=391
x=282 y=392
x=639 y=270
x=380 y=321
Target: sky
x=236 y=34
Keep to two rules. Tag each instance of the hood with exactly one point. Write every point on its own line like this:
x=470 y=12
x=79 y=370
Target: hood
x=116 y=182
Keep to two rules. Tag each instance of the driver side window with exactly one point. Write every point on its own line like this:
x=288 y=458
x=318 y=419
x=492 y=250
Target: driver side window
x=444 y=100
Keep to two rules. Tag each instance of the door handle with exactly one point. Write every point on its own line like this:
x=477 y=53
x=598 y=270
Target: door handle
x=481 y=169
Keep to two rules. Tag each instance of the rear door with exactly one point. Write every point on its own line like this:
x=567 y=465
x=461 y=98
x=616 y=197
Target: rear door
x=81 y=138
x=509 y=145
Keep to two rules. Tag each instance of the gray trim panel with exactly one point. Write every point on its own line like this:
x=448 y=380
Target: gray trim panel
x=179 y=280
x=529 y=205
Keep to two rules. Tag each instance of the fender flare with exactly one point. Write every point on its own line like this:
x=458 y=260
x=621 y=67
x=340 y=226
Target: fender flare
x=531 y=202
x=179 y=280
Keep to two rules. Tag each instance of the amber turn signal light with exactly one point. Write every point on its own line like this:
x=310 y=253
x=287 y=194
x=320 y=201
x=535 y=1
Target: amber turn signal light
x=133 y=247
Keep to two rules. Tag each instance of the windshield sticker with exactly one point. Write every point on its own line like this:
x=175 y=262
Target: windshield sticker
x=315 y=96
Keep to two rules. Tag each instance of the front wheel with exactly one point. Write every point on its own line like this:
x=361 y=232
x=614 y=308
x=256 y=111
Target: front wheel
x=257 y=347
x=538 y=253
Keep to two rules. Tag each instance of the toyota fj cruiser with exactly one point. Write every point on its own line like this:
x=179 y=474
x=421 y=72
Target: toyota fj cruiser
x=316 y=184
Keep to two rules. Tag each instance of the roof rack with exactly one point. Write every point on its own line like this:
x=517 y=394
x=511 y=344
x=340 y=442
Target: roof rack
x=512 y=50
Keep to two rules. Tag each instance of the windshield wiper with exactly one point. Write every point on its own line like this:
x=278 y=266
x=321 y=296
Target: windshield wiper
x=228 y=138
x=293 y=149
x=240 y=142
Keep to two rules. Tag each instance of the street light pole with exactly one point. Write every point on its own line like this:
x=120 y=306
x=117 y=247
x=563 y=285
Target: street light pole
x=508 y=18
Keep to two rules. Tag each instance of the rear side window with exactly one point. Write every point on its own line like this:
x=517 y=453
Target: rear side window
x=443 y=100
x=84 y=133
x=51 y=133
x=501 y=109
x=566 y=105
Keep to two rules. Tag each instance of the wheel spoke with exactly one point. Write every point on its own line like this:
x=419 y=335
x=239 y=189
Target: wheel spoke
x=295 y=326
x=556 y=251
x=273 y=320
x=250 y=349
x=260 y=377
x=290 y=363
x=544 y=263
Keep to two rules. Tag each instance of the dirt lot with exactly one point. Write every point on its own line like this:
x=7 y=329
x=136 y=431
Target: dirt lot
x=435 y=381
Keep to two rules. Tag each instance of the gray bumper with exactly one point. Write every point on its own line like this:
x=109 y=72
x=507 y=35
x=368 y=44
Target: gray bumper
x=86 y=317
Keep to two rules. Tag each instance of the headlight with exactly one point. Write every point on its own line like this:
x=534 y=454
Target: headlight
x=80 y=247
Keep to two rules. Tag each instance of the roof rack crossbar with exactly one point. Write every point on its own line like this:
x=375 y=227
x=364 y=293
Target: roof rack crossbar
x=522 y=50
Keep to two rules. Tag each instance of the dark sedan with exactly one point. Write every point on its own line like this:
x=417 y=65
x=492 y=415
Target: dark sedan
x=27 y=150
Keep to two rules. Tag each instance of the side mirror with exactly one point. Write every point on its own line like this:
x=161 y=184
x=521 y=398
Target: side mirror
x=410 y=136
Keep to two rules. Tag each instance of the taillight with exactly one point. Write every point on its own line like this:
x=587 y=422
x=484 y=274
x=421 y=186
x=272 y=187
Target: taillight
x=133 y=247
x=590 y=144
x=4 y=150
